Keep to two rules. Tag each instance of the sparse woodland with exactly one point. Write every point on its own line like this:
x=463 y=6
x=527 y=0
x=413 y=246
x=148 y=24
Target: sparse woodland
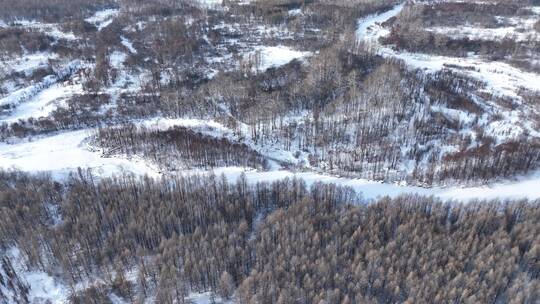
x=178 y=148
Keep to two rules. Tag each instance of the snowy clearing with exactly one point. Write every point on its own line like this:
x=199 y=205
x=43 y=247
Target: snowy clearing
x=63 y=153
x=27 y=63
x=275 y=56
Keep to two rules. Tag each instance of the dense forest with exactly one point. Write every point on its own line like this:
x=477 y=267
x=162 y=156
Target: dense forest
x=282 y=242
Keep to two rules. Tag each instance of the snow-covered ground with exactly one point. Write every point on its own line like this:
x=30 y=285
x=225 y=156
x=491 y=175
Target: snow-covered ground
x=50 y=29
x=275 y=56
x=211 y=3
x=43 y=287
x=27 y=63
x=500 y=78
x=63 y=153
x=44 y=103
x=218 y=3
x=527 y=187
x=129 y=45
x=490 y=34
x=41 y=98
x=103 y=18
x=206 y=298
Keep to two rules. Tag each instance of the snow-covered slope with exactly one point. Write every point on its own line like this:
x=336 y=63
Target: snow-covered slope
x=42 y=287
x=500 y=78
x=63 y=153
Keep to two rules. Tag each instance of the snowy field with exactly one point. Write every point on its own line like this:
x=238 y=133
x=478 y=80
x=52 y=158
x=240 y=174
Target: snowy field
x=275 y=56
x=63 y=153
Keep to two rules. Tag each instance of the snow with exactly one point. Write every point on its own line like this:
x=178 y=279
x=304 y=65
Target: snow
x=295 y=12
x=215 y=4
x=117 y=59
x=103 y=18
x=128 y=44
x=206 y=298
x=526 y=187
x=276 y=56
x=207 y=127
x=27 y=63
x=521 y=34
x=65 y=152
x=24 y=94
x=44 y=103
x=218 y=130
x=211 y=3
x=27 y=92
x=62 y=153
x=365 y=25
x=500 y=78
x=43 y=287
x=50 y=29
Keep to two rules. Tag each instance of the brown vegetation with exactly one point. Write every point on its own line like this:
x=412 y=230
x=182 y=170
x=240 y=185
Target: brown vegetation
x=269 y=243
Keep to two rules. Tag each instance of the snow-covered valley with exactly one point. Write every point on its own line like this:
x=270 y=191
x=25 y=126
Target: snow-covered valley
x=66 y=151
x=63 y=153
